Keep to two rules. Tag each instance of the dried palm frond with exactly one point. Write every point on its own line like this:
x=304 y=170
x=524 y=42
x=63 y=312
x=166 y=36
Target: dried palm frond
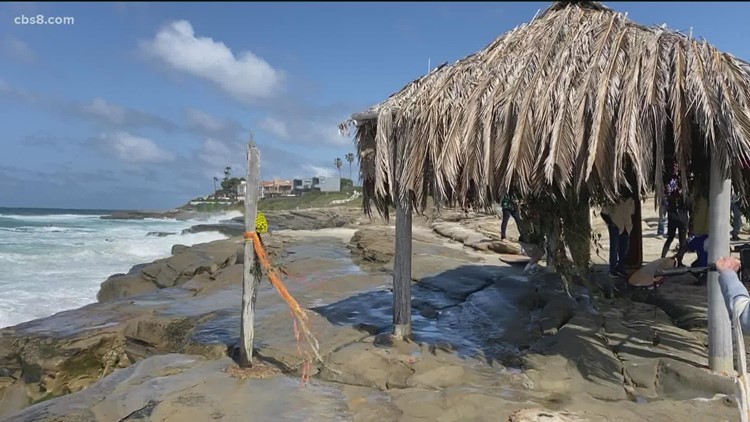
x=580 y=97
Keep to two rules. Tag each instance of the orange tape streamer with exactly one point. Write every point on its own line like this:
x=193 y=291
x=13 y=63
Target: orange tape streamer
x=299 y=316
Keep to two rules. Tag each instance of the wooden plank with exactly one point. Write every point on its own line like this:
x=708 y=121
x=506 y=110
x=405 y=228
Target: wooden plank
x=368 y=115
x=365 y=115
x=250 y=279
x=402 y=272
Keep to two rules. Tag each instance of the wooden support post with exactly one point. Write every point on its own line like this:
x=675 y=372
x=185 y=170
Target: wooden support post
x=250 y=279
x=634 y=259
x=588 y=224
x=553 y=246
x=720 y=356
x=402 y=272
x=402 y=258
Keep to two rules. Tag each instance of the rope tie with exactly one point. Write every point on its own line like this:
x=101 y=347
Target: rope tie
x=299 y=316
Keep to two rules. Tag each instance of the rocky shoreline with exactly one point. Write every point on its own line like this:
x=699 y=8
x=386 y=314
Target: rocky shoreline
x=181 y=215
x=489 y=343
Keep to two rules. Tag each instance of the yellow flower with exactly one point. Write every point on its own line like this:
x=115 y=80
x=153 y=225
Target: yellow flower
x=261 y=224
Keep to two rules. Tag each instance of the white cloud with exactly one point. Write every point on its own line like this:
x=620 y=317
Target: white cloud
x=206 y=125
x=17 y=50
x=314 y=130
x=216 y=153
x=131 y=148
x=243 y=76
x=328 y=133
x=13 y=92
x=204 y=121
x=99 y=108
x=274 y=127
x=319 y=171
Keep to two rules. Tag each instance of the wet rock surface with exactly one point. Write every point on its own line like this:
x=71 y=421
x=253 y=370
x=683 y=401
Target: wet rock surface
x=227 y=229
x=177 y=387
x=68 y=351
x=187 y=264
x=180 y=268
x=488 y=344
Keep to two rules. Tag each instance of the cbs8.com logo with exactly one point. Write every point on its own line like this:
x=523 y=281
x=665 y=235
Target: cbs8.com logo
x=43 y=20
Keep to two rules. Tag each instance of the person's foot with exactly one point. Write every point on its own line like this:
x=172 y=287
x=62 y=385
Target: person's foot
x=621 y=273
x=735 y=238
x=613 y=274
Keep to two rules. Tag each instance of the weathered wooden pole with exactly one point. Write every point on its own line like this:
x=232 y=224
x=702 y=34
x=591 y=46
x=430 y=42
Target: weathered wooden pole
x=720 y=358
x=402 y=271
x=402 y=258
x=553 y=246
x=250 y=279
x=634 y=259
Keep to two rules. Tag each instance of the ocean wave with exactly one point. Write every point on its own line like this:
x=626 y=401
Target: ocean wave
x=48 y=229
x=59 y=266
x=219 y=218
x=50 y=217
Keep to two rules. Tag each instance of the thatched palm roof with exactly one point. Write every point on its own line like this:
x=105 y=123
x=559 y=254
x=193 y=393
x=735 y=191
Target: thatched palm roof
x=580 y=97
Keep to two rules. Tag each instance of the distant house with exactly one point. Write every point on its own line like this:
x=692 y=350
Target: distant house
x=276 y=187
x=316 y=183
x=301 y=185
x=328 y=184
x=242 y=189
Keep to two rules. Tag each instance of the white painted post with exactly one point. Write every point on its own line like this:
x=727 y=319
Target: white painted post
x=720 y=357
x=250 y=279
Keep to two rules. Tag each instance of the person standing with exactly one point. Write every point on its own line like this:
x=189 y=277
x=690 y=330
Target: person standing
x=661 y=229
x=669 y=187
x=619 y=219
x=678 y=219
x=510 y=209
x=736 y=216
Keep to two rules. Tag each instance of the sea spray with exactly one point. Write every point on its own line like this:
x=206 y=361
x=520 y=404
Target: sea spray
x=54 y=261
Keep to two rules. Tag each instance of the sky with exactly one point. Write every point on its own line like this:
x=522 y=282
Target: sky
x=141 y=105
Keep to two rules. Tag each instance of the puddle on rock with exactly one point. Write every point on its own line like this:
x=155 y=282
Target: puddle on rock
x=476 y=316
x=310 y=263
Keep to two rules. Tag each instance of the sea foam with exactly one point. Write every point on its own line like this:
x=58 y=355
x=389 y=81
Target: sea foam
x=51 y=263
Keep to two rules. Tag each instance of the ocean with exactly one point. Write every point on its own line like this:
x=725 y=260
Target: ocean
x=54 y=260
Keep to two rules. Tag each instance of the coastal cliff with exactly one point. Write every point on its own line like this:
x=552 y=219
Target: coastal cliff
x=162 y=339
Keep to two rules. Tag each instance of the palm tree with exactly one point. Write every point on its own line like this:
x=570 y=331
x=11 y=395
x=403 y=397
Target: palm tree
x=350 y=158
x=338 y=163
x=216 y=179
x=227 y=172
